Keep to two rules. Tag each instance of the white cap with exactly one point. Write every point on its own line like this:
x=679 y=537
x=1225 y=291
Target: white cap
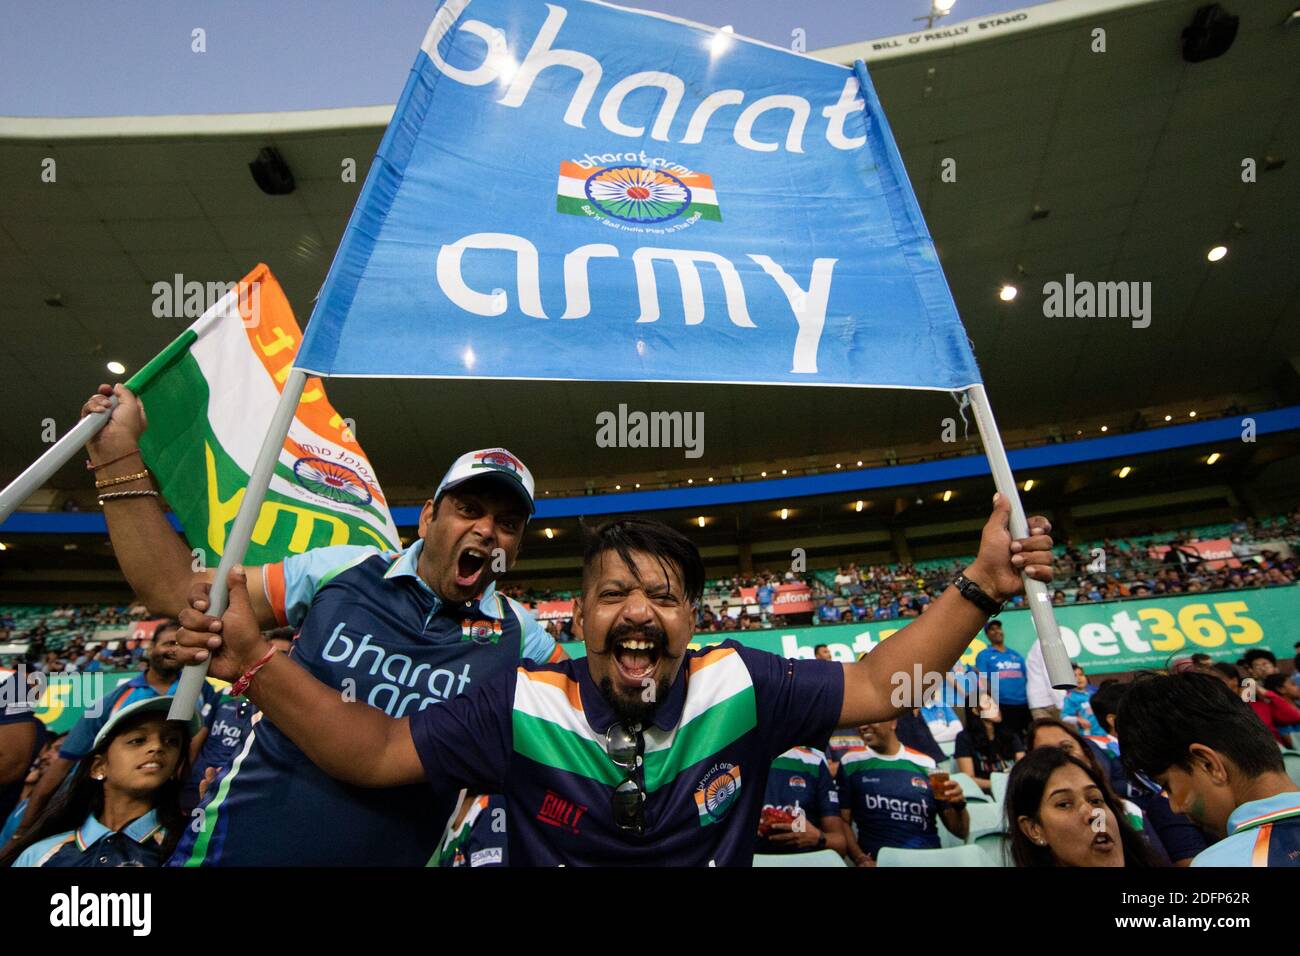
x=490 y=463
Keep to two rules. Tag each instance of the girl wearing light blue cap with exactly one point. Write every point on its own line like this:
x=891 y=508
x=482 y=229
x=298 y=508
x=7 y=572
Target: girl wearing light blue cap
x=122 y=804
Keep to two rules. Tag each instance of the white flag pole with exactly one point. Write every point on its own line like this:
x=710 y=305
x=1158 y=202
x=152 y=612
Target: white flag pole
x=187 y=693
x=1059 y=670
x=56 y=456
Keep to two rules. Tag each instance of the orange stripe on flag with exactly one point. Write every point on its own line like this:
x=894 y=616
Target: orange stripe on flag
x=574 y=171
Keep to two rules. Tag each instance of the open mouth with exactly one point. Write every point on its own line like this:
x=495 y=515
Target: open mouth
x=636 y=657
x=150 y=766
x=469 y=565
x=1103 y=841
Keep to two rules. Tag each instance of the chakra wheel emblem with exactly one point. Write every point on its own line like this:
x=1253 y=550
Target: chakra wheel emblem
x=331 y=480
x=638 y=194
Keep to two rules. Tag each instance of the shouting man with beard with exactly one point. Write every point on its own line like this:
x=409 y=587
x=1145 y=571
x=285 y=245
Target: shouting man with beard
x=645 y=751
x=395 y=631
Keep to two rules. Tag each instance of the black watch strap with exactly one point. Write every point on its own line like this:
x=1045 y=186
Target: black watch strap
x=973 y=593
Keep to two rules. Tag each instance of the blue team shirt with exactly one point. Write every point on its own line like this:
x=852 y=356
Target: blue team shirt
x=537 y=736
x=81 y=738
x=1009 y=666
x=1076 y=704
x=94 y=845
x=1260 y=833
x=890 y=800
x=799 y=780
x=372 y=628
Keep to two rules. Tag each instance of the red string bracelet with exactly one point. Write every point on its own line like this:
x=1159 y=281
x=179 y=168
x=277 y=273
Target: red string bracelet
x=240 y=686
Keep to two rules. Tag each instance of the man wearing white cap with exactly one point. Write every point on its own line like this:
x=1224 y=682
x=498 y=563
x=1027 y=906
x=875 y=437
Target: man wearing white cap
x=399 y=630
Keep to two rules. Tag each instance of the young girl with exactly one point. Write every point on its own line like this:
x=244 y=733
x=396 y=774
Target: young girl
x=121 y=806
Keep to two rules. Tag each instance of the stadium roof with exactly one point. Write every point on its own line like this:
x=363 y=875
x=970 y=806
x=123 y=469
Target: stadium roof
x=1134 y=155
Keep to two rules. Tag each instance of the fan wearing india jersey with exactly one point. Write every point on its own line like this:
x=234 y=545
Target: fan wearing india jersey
x=1217 y=762
x=801 y=806
x=644 y=751
x=397 y=631
x=887 y=794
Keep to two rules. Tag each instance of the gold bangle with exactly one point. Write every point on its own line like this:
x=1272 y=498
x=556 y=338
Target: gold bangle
x=108 y=482
x=139 y=493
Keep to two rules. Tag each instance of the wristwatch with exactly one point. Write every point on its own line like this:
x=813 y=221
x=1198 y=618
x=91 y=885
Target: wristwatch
x=975 y=594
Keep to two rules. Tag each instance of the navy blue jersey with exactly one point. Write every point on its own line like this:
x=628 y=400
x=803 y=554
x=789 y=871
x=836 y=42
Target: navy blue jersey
x=538 y=737
x=889 y=798
x=373 y=629
x=94 y=845
x=799 y=780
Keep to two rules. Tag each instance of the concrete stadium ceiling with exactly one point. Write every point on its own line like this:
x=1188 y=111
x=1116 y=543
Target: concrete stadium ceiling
x=1135 y=156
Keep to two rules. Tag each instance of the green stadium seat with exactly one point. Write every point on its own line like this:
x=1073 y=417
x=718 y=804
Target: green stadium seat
x=963 y=856
x=995 y=846
x=998 y=781
x=971 y=789
x=984 y=818
x=815 y=858
x=1292 y=763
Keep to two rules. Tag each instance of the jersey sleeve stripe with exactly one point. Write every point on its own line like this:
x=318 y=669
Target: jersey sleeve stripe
x=560 y=682
x=1259 y=854
x=557 y=655
x=273 y=585
x=698 y=664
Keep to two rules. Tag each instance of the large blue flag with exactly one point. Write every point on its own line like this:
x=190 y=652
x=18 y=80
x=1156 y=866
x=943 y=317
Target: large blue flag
x=573 y=190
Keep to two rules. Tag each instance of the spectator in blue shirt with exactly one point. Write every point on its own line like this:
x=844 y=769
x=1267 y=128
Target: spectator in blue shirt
x=764 y=595
x=942 y=721
x=1077 y=709
x=828 y=613
x=588 y=753
x=1219 y=764
x=1006 y=677
x=122 y=804
x=859 y=608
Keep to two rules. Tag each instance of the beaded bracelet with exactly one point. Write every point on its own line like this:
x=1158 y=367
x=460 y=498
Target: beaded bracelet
x=109 y=482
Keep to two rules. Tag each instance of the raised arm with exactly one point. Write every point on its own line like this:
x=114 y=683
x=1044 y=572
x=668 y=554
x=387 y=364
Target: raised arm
x=937 y=638
x=155 y=560
x=353 y=742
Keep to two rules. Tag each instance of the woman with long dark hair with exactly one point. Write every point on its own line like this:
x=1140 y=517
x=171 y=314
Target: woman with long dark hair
x=986 y=746
x=121 y=805
x=1061 y=812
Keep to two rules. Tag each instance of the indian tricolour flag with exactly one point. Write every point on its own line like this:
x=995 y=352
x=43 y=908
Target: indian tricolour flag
x=209 y=397
x=638 y=194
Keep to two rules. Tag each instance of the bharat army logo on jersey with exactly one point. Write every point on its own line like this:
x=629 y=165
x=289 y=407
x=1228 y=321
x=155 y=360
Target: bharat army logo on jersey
x=797 y=781
x=921 y=783
x=482 y=631
x=716 y=792
x=637 y=193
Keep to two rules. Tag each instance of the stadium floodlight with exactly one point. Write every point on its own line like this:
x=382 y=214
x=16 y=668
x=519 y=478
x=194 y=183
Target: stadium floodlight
x=1029 y=484
x=1105 y=428
x=858 y=505
x=859 y=464
x=1214 y=456
x=710 y=479
x=117 y=368
x=550 y=532
x=3 y=546
x=1125 y=471
x=1007 y=292
x=1169 y=418
x=1192 y=413
x=785 y=513
x=762 y=474
x=784 y=472
x=1217 y=253
x=942 y=7
x=700 y=520
x=947 y=495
